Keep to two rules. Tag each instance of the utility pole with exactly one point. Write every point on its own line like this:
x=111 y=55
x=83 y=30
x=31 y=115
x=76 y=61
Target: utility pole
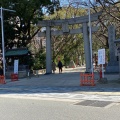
x=90 y=36
x=2 y=30
x=3 y=47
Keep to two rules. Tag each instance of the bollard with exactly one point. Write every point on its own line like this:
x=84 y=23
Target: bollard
x=2 y=79
x=14 y=77
x=100 y=73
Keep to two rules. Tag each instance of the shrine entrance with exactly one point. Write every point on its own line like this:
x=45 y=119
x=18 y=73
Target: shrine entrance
x=65 y=29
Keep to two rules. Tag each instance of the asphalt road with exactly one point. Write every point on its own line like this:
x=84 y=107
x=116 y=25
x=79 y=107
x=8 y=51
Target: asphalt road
x=32 y=109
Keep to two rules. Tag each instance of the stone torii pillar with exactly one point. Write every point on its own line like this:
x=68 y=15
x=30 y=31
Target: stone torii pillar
x=48 y=51
x=65 y=29
x=113 y=64
x=86 y=47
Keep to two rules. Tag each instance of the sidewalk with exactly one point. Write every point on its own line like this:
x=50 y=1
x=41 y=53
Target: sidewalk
x=66 y=85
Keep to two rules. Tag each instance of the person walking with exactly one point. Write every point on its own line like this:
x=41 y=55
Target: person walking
x=1 y=70
x=53 y=66
x=60 y=66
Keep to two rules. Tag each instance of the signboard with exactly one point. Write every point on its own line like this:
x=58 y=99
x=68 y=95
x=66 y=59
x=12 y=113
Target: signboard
x=101 y=56
x=16 y=66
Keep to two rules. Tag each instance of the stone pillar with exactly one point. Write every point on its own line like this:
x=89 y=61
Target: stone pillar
x=111 y=38
x=86 y=47
x=48 y=51
x=112 y=66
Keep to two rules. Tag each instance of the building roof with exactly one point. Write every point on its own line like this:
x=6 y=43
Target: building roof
x=16 y=52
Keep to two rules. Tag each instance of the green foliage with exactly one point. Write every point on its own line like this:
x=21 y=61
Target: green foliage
x=69 y=46
x=66 y=60
x=40 y=60
x=36 y=65
x=22 y=23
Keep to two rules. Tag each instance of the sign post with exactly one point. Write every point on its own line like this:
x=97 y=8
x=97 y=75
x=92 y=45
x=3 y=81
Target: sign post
x=101 y=59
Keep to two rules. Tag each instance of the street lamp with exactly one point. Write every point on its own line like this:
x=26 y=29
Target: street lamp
x=2 y=30
x=3 y=47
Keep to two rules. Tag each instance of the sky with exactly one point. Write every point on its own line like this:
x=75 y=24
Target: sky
x=65 y=2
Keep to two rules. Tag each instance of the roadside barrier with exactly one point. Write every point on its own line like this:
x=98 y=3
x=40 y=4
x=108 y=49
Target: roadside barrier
x=14 y=77
x=2 y=79
x=87 y=79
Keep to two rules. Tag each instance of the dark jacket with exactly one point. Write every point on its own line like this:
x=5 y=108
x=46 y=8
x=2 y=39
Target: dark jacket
x=1 y=71
x=60 y=64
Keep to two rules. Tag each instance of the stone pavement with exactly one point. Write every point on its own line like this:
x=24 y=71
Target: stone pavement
x=63 y=86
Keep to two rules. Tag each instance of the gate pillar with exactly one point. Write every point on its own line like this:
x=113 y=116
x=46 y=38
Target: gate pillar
x=86 y=47
x=48 y=51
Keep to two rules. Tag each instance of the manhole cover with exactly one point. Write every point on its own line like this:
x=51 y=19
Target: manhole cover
x=94 y=103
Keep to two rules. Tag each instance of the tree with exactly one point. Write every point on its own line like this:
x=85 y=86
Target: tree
x=40 y=60
x=110 y=16
x=67 y=46
x=23 y=21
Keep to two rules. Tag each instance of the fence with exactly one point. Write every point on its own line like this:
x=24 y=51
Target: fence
x=87 y=79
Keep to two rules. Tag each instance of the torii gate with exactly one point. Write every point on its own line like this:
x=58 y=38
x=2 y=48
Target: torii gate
x=65 y=29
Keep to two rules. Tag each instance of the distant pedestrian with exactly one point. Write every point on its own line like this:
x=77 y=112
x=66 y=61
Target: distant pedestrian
x=60 y=66
x=1 y=71
x=53 y=67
